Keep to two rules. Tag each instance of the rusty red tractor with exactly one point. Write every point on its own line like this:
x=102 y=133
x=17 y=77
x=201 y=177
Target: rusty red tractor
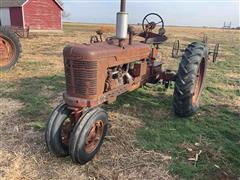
x=10 y=49
x=99 y=72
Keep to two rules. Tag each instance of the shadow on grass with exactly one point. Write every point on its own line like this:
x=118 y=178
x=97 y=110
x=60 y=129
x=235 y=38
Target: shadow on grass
x=35 y=93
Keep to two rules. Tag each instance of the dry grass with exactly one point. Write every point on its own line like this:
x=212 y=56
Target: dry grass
x=23 y=154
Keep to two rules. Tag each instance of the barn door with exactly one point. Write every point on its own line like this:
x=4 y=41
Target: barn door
x=5 y=17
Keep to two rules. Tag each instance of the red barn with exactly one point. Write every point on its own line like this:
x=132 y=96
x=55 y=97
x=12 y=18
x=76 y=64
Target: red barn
x=37 y=14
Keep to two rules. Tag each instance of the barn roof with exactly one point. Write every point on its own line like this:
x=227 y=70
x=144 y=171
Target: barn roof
x=11 y=3
x=18 y=3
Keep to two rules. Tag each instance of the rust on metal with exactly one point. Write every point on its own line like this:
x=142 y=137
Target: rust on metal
x=20 y=31
x=7 y=51
x=99 y=72
x=198 y=82
x=132 y=32
x=123 y=6
x=66 y=130
x=94 y=136
x=85 y=66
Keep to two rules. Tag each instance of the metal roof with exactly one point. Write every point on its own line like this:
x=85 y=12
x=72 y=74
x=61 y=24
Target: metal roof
x=11 y=3
x=18 y=3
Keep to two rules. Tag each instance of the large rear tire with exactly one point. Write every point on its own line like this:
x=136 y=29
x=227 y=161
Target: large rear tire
x=190 y=78
x=10 y=49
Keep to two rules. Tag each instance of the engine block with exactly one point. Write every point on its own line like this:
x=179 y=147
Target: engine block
x=94 y=76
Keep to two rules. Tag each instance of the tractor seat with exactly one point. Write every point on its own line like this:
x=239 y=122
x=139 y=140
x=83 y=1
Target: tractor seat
x=156 y=40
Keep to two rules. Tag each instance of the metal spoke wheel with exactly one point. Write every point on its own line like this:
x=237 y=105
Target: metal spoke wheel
x=215 y=52
x=176 y=49
x=205 y=39
x=94 y=39
x=88 y=135
x=151 y=21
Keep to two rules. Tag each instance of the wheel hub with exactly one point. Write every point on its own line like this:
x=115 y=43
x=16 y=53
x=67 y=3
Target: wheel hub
x=198 y=83
x=67 y=128
x=94 y=137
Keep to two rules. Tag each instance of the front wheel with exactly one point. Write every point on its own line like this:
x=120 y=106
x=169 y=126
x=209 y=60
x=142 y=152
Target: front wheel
x=58 y=130
x=88 y=135
x=190 y=78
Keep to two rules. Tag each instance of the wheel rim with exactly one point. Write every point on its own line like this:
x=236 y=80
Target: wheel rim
x=94 y=39
x=94 y=137
x=66 y=130
x=215 y=53
x=198 y=83
x=175 y=49
x=7 y=51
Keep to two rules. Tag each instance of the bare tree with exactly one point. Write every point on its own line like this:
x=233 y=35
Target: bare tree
x=64 y=14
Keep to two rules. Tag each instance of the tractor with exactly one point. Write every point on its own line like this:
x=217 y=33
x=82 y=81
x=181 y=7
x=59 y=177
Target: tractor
x=97 y=73
x=10 y=49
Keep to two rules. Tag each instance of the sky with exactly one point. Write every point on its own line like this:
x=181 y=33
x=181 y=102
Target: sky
x=211 y=13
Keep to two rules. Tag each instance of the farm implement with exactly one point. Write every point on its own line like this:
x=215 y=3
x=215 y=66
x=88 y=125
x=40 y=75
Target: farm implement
x=98 y=72
x=177 y=50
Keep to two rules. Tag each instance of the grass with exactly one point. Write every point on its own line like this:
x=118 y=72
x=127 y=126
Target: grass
x=38 y=83
x=35 y=93
x=215 y=130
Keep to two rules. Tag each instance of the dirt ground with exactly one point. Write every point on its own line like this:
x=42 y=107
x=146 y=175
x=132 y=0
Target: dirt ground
x=23 y=153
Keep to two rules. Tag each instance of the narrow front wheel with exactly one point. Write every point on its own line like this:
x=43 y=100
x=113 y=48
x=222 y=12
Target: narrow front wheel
x=88 y=135
x=58 y=130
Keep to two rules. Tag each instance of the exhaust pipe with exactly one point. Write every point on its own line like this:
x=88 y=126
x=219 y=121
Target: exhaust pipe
x=122 y=22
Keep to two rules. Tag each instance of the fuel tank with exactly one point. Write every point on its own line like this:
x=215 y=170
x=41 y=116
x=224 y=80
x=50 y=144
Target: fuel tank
x=86 y=68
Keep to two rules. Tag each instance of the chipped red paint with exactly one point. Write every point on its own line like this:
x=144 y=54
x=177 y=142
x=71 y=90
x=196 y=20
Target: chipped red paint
x=16 y=16
x=42 y=15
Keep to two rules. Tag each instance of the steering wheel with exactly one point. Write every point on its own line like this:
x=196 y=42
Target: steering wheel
x=151 y=21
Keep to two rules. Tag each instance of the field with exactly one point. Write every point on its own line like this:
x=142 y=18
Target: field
x=146 y=140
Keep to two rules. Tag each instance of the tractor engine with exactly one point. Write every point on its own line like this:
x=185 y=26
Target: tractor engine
x=98 y=73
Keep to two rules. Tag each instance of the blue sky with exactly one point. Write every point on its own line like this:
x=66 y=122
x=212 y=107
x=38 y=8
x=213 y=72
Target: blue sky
x=175 y=12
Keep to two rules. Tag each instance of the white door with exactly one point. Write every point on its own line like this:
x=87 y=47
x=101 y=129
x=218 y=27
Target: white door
x=5 y=19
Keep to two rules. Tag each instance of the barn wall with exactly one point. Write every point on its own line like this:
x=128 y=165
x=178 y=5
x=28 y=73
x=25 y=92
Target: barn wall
x=5 y=17
x=42 y=15
x=16 y=16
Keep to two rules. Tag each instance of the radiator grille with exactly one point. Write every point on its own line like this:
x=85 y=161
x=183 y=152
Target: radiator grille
x=81 y=77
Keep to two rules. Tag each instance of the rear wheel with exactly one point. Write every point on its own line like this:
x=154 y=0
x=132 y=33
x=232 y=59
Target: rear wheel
x=10 y=49
x=190 y=78
x=88 y=135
